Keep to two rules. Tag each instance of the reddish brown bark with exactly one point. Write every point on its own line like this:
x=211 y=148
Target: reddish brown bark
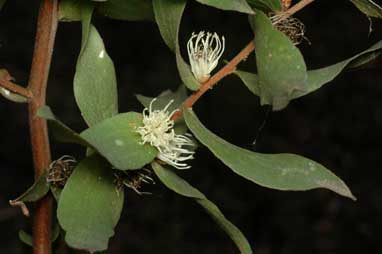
x=44 y=43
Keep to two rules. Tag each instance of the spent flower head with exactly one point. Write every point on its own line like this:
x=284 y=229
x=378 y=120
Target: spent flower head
x=158 y=131
x=204 y=52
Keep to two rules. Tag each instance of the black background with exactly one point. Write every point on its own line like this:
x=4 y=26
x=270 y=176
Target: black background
x=338 y=126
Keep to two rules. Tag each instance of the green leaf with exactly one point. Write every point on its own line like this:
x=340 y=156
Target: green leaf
x=90 y=205
x=276 y=171
x=127 y=9
x=34 y=193
x=180 y=186
x=266 y=5
x=26 y=238
x=168 y=14
x=60 y=131
x=368 y=7
x=281 y=67
x=250 y=80
x=318 y=78
x=230 y=5
x=117 y=140
x=95 y=84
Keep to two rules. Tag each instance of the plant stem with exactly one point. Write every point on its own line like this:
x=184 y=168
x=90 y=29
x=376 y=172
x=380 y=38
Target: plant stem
x=231 y=66
x=44 y=43
x=9 y=85
x=226 y=70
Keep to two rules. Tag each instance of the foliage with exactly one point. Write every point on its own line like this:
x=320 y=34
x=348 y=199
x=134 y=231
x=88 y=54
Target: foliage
x=91 y=199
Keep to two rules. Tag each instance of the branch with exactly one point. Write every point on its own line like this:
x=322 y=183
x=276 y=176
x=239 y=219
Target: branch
x=231 y=66
x=9 y=85
x=44 y=43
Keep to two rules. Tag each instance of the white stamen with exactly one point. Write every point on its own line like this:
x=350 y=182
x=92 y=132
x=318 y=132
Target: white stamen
x=158 y=131
x=204 y=55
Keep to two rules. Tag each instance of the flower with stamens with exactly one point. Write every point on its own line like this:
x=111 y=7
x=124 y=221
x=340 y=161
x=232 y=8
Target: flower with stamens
x=158 y=131
x=204 y=52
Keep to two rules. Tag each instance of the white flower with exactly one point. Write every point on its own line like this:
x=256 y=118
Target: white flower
x=204 y=54
x=158 y=131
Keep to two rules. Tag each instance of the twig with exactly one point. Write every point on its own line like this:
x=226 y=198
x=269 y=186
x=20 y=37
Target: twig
x=226 y=70
x=231 y=66
x=9 y=85
x=44 y=43
x=295 y=8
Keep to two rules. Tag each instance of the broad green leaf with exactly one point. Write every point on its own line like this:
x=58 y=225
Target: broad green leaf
x=180 y=186
x=266 y=5
x=90 y=205
x=281 y=66
x=28 y=239
x=318 y=78
x=127 y=9
x=368 y=7
x=276 y=171
x=168 y=14
x=95 y=84
x=38 y=190
x=60 y=131
x=117 y=140
x=229 y=5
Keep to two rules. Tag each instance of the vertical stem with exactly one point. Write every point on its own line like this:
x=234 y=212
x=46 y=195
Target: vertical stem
x=44 y=43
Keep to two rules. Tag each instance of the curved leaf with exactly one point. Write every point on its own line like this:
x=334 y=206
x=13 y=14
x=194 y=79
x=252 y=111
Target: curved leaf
x=90 y=205
x=117 y=140
x=180 y=186
x=368 y=7
x=127 y=9
x=276 y=171
x=95 y=85
x=168 y=14
x=38 y=190
x=230 y=5
x=319 y=77
x=281 y=66
x=60 y=131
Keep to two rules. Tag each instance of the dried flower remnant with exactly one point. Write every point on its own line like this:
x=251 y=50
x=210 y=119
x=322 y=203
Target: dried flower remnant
x=158 y=131
x=60 y=171
x=204 y=52
x=290 y=26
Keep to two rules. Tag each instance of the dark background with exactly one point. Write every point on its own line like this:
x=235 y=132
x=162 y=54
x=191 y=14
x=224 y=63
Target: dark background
x=338 y=126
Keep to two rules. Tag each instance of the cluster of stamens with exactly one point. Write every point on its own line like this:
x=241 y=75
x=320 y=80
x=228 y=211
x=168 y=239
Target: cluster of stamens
x=204 y=52
x=158 y=131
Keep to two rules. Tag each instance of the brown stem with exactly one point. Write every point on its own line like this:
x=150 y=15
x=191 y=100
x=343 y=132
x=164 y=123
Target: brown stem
x=226 y=70
x=44 y=43
x=231 y=66
x=295 y=8
x=9 y=85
